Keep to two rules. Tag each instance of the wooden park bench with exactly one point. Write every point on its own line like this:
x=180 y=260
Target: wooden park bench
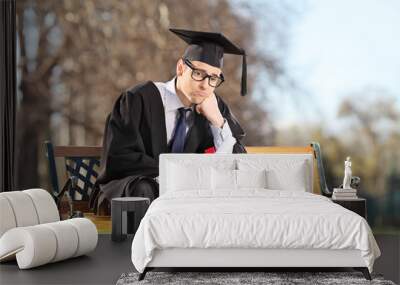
x=77 y=168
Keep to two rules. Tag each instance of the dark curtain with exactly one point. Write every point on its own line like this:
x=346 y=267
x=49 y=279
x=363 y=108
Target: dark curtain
x=7 y=93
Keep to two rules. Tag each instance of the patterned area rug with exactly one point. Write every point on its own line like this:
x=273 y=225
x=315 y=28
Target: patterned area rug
x=229 y=278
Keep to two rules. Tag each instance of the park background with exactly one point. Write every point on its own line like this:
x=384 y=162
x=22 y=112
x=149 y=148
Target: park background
x=326 y=71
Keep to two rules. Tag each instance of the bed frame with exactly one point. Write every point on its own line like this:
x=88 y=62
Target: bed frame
x=244 y=259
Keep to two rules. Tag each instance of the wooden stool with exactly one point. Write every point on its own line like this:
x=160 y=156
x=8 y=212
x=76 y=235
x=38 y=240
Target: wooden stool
x=120 y=207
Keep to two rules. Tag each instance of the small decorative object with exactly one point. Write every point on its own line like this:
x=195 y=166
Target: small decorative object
x=210 y=150
x=119 y=220
x=347 y=174
x=346 y=191
x=355 y=181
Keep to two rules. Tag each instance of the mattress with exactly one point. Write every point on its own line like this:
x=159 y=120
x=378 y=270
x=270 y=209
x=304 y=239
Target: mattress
x=250 y=219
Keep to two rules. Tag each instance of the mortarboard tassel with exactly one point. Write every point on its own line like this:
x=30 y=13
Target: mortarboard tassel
x=243 y=90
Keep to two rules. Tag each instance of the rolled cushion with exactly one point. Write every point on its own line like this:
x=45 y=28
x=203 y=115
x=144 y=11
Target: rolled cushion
x=26 y=208
x=23 y=208
x=33 y=246
x=46 y=208
x=40 y=244
x=66 y=238
x=87 y=235
x=7 y=218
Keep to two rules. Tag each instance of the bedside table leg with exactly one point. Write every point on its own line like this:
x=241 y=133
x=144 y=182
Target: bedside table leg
x=116 y=223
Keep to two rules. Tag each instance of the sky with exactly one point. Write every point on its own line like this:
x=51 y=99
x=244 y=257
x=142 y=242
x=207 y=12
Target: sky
x=336 y=48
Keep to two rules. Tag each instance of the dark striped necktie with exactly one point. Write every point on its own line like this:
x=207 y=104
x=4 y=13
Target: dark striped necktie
x=178 y=141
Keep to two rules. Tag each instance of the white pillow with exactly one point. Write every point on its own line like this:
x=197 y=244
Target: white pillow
x=293 y=178
x=223 y=179
x=227 y=179
x=183 y=177
x=281 y=174
x=251 y=178
x=203 y=160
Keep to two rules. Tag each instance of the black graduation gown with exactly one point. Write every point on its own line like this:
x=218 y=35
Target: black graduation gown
x=135 y=135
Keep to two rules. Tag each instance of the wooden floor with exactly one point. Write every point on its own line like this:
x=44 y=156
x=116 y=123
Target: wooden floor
x=103 y=223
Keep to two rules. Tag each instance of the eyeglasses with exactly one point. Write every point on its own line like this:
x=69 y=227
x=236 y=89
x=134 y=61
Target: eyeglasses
x=200 y=75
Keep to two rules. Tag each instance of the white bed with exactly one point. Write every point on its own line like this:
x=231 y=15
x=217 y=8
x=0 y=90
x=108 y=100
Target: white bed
x=202 y=219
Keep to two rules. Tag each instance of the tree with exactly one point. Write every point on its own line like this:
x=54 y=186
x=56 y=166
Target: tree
x=374 y=135
x=77 y=56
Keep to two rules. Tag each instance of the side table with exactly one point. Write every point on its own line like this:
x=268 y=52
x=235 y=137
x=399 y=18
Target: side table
x=358 y=205
x=120 y=207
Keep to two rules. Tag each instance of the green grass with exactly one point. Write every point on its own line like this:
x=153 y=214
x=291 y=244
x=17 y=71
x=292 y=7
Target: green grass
x=386 y=230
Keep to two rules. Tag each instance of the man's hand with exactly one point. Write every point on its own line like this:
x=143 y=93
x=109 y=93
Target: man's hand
x=209 y=109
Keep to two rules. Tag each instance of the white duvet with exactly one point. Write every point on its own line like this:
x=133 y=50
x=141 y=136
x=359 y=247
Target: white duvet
x=252 y=218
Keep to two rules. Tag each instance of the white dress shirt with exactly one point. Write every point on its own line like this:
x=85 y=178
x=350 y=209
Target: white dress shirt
x=223 y=139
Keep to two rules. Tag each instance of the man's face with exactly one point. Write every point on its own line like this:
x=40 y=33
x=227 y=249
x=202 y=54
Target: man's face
x=196 y=91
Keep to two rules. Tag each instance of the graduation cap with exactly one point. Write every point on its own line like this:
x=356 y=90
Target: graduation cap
x=210 y=48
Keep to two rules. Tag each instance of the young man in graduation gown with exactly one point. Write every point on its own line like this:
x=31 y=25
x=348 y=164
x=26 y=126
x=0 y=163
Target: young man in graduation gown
x=182 y=115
